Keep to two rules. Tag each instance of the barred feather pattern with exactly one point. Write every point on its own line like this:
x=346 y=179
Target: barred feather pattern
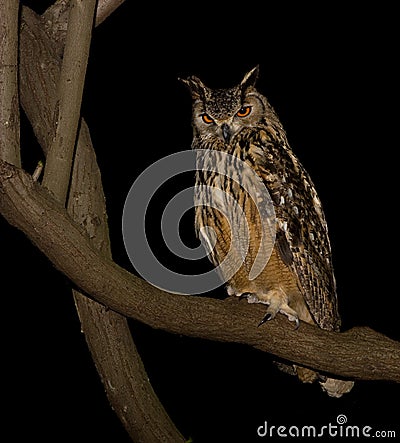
x=235 y=223
x=301 y=229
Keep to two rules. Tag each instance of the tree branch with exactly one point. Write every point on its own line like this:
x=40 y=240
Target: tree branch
x=56 y=17
x=58 y=167
x=105 y=8
x=9 y=109
x=359 y=353
x=107 y=333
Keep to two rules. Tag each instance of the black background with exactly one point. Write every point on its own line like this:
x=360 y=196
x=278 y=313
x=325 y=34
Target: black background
x=332 y=76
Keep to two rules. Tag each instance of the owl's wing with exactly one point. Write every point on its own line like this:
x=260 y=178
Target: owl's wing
x=302 y=235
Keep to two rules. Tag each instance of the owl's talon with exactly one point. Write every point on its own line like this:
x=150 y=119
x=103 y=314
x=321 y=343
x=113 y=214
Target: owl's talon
x=267 y=317
x=292 y=316
x=250 y=297
x=244 y=295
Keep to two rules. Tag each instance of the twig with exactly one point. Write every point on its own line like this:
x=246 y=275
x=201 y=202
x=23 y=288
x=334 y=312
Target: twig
x=38 y=171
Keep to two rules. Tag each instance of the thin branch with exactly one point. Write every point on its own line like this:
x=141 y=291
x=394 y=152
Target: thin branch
x=58 y=167
x=359 y=353
x=9 y=109
x=105 y=8
x=38 y=171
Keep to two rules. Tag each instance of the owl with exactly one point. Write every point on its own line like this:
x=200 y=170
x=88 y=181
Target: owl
x=241 y=145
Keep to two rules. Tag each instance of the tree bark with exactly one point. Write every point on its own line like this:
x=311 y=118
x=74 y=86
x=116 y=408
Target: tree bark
x=107 y=333
x=359 y=353
x=57 y=172
x=9 y=103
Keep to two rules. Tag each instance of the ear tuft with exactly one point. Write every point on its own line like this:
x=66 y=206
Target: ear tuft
x=250 y=78
x=195 y=85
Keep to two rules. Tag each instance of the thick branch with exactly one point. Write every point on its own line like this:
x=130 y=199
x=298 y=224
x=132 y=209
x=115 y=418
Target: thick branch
x=359 y=353
x=107 y=333
x=9 y=108
x=55 y=15
x=58 y=167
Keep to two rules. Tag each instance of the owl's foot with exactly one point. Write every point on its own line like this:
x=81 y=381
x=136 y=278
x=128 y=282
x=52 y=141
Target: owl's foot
x=277 y=301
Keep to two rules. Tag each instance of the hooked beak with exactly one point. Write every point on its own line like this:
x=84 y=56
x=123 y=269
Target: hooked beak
x=226 y=132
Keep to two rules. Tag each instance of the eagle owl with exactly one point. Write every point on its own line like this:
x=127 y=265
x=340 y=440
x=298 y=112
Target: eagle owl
x=297 y=279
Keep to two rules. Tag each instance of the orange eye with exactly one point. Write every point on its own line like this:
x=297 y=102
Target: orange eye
x=244 y=111
x=207 y=119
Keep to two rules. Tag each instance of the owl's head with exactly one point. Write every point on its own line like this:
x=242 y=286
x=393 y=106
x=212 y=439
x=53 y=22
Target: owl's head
x=223 y=113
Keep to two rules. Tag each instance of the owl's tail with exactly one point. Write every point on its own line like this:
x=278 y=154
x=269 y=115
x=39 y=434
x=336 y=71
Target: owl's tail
x=332 y=386
x=336 y=388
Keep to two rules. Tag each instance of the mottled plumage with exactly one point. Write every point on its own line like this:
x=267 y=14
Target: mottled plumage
x=242 y=146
